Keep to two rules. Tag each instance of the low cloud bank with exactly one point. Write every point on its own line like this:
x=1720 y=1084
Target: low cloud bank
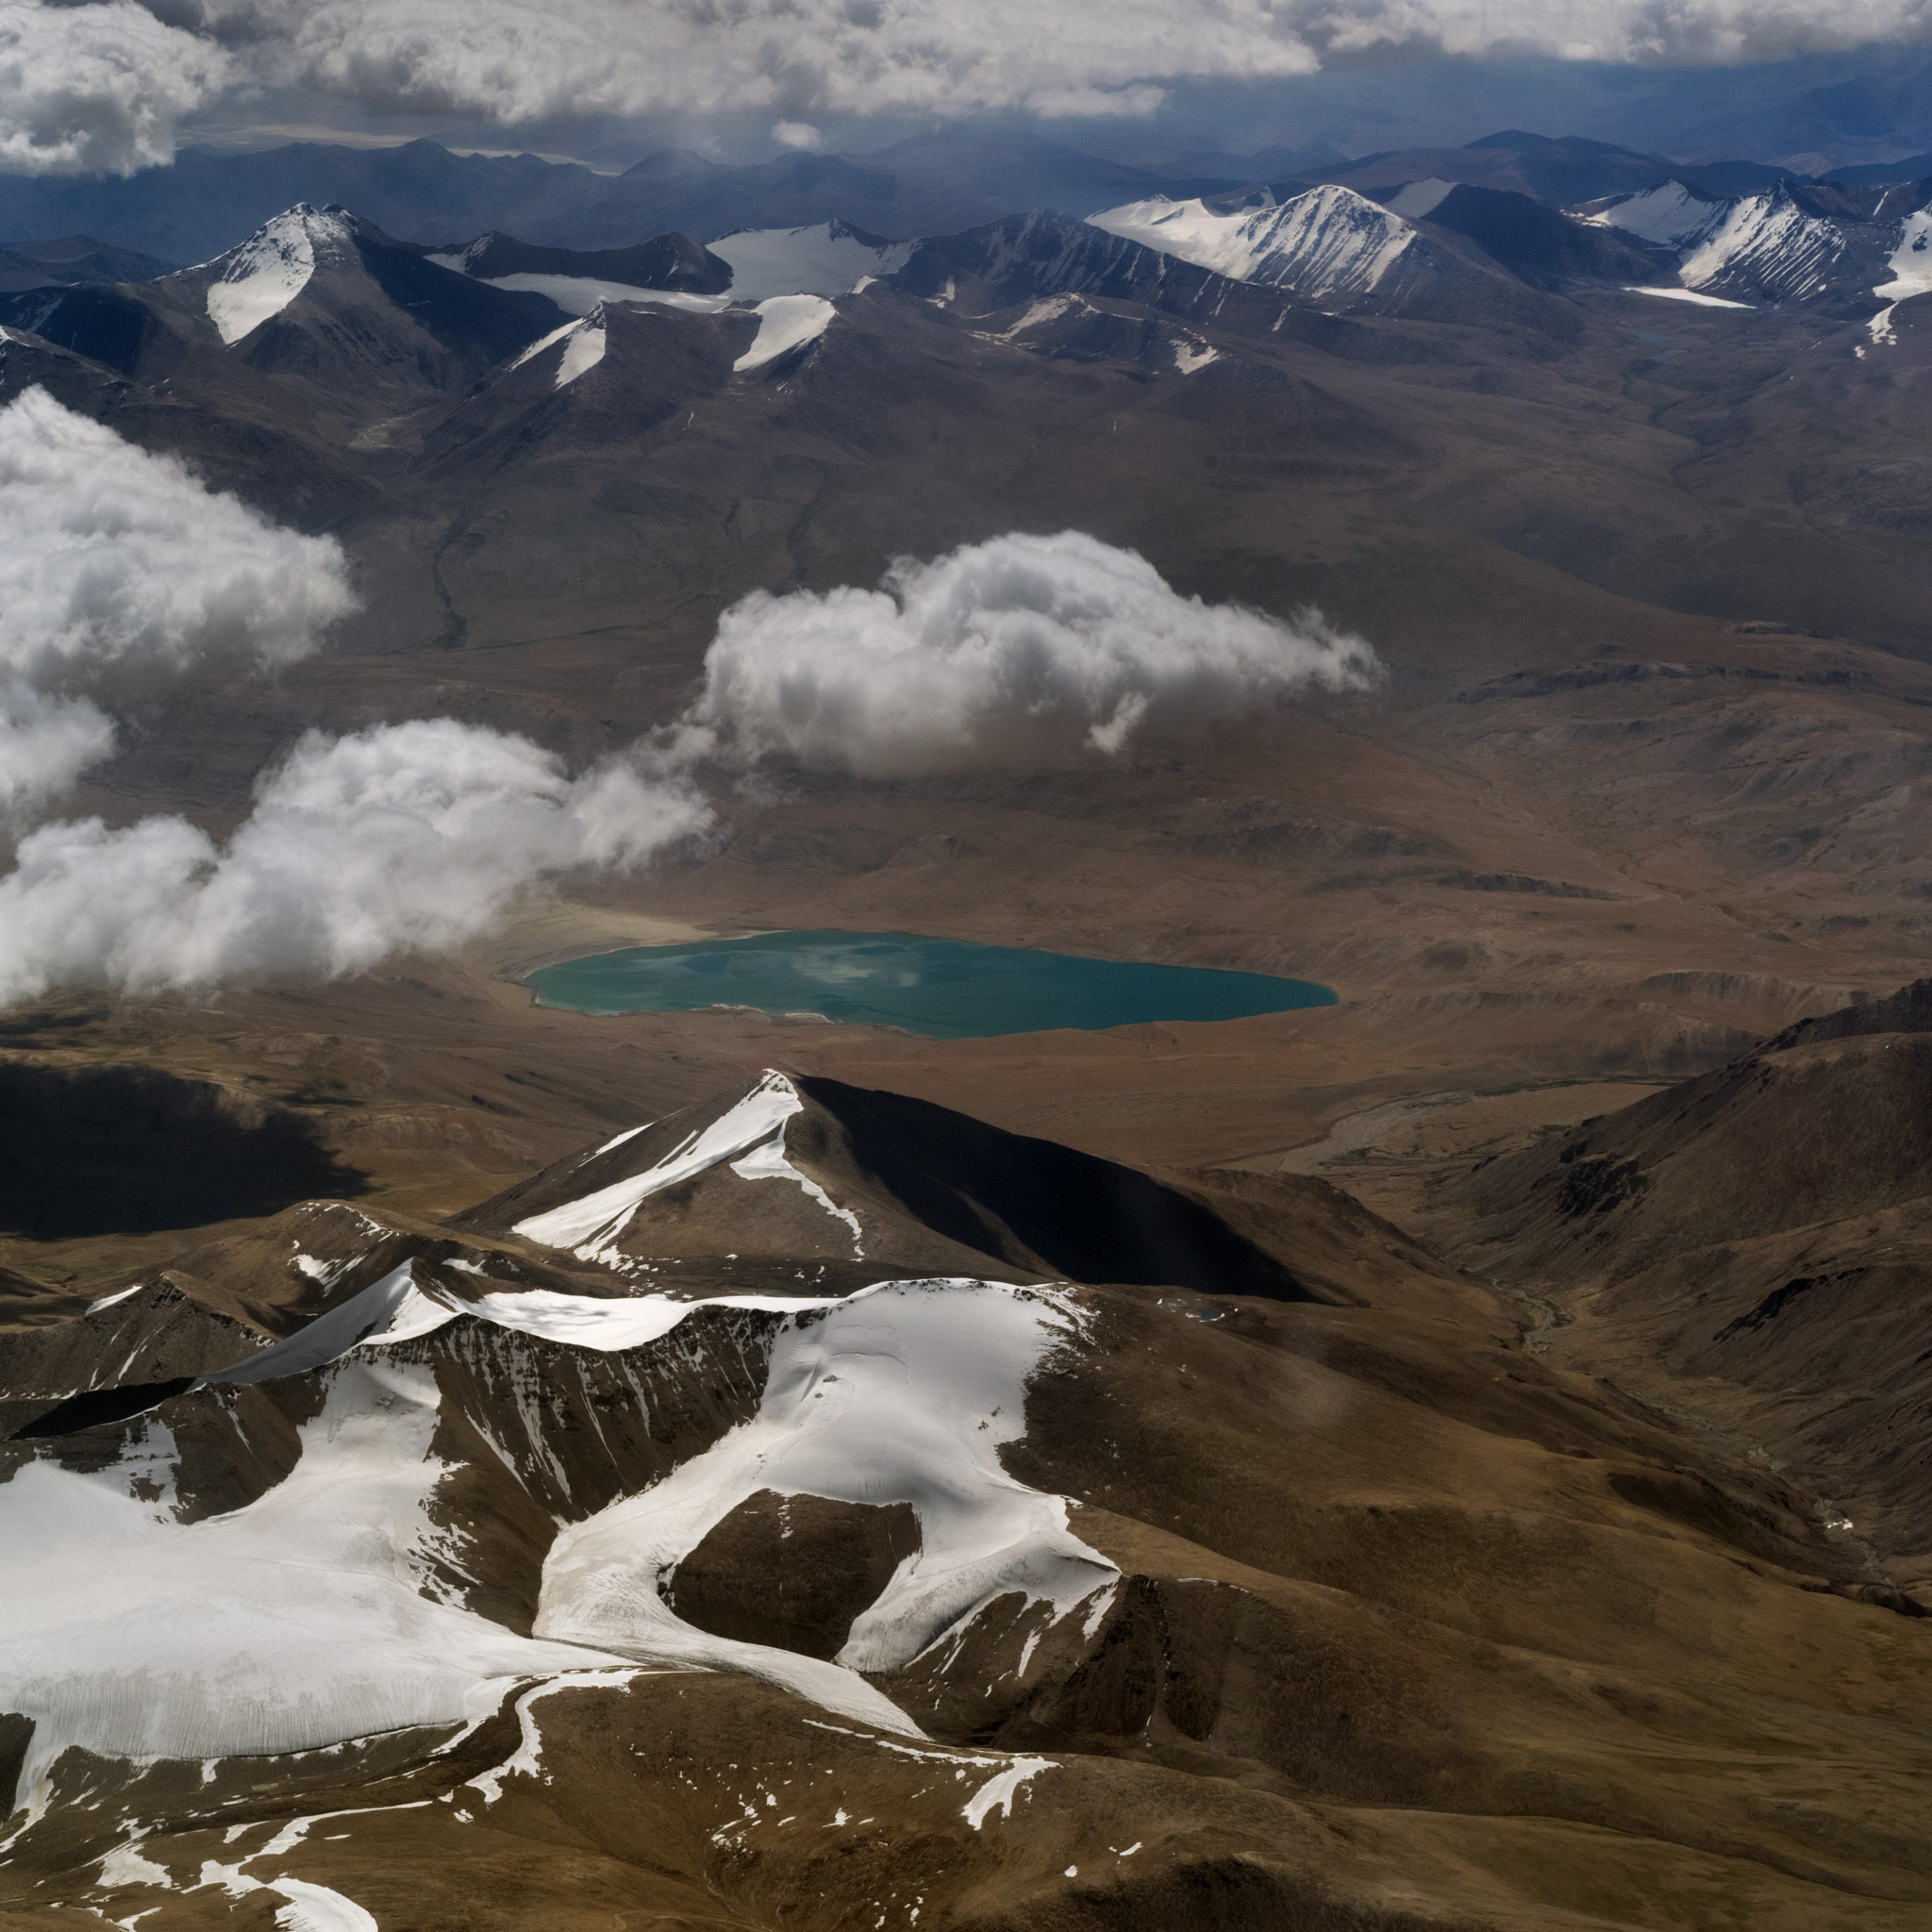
x=100 y=86
x=405 y=836
x=1021 y=651
x=119 y=572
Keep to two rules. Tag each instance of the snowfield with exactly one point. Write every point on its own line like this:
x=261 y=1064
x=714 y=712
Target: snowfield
x=903 y=1394
x=1673 y=214
x=784 y=275
x=295 y=1623
x=828 y=260
x=324 y=1611
x=1687 y=295
x=580 y=295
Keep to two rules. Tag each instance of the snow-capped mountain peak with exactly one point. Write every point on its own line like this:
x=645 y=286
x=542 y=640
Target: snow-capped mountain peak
x=261 y=277
x=1770 y=241
x=1768 y=246
x=1676 y=215
x=1329 y=243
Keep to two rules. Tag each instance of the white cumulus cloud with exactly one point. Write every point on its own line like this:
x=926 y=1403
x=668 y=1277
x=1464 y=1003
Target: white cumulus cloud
x=402 y=837
x=119 y=572
x=98 y=89
x=1021 y=651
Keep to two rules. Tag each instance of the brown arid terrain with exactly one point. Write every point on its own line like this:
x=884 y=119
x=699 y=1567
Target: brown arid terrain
x=1450 y=1458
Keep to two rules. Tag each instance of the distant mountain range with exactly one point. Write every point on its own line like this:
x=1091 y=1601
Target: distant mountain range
x=493 y=422
x=933 y=184
x=209 y=200
x=73 y=259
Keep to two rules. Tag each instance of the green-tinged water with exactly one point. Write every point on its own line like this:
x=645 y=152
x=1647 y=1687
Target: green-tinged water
x=945 y=987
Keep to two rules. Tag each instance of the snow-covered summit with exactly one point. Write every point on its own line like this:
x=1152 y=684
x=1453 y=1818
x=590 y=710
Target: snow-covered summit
x=260 y=278
x=1676 y=215
x=839 y=1181
x=1767 y=246
x=1328 y=244
x=749 y=1134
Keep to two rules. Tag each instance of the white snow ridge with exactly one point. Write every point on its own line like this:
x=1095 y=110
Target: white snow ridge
x=583 y=344
x=1762 y=244
x=268 y=270
x=1328 y=244
x=751 y=1135
x=1769 y=241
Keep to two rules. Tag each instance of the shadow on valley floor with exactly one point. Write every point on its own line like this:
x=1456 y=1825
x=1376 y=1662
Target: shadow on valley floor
x=131 y=1150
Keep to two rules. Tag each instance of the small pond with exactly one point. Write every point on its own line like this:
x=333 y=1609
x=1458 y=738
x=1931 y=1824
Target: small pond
x=947 y=988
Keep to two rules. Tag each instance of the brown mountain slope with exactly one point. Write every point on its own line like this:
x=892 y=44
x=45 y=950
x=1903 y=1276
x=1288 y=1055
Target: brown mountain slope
x=882 y=1182
x=1761 y=1236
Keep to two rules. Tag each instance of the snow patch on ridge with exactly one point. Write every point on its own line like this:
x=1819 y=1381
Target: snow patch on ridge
x=1002 y=1789
x=751 y=1135
x=583 y=346
x=612 y=1325
x=785 y=323
x=1671 y=213
x=1910 y=264
x=584 y=350
x=268 y=270
x=1329 y=243
x=578 y=294
x=1049 y=309
x=391 y=1309
x=316 y=1908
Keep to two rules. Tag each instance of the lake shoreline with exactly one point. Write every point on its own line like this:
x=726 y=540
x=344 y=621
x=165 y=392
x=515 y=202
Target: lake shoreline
x=938 y=988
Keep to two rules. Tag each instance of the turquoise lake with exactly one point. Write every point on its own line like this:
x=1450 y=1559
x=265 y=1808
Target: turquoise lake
x=947 y=988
